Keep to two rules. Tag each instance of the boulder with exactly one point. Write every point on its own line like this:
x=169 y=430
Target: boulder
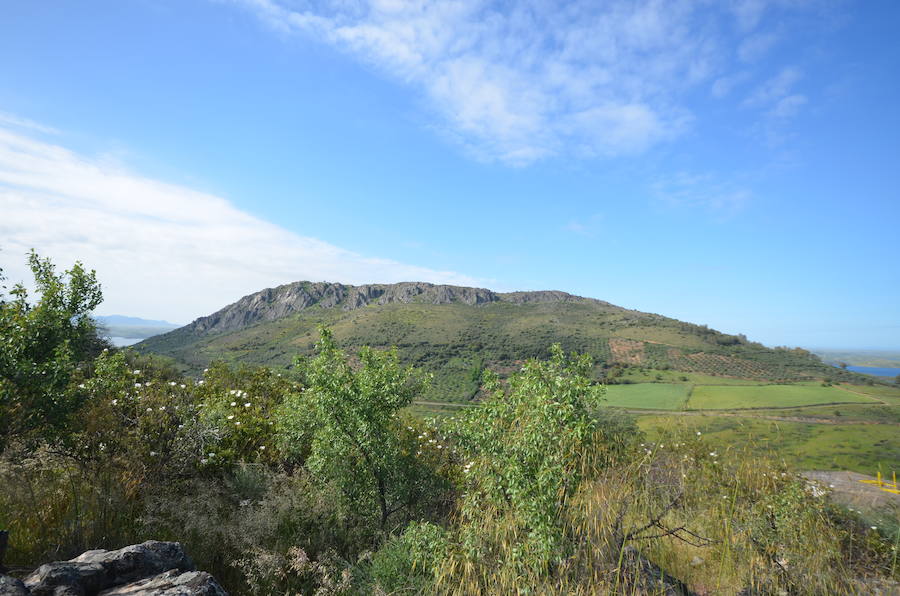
x=10 y=586
x=97 y=570
x=171 y=583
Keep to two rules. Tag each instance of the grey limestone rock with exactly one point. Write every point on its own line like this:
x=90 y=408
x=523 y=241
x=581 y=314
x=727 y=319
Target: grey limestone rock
x=171 y=583
x=10 y=586
x=96 y=570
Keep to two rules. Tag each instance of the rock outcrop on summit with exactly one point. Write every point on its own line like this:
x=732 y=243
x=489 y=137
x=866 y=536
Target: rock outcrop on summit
x=275 y=303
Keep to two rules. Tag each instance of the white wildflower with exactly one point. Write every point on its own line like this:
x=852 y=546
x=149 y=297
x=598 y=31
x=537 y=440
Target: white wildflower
x=247 y=405
x=230 y=417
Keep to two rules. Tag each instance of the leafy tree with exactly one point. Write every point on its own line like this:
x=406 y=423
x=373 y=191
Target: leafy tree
x=41 y=344
x=526 y=447
x=357 y=439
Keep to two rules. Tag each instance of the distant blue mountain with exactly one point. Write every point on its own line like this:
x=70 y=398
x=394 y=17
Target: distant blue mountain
x=121 y=320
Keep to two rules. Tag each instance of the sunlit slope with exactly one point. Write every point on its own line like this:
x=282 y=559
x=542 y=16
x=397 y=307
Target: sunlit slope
x=456 y=332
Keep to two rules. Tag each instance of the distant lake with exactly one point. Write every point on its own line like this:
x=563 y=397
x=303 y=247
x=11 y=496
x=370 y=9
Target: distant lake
x=875 y=370
x=120 y=342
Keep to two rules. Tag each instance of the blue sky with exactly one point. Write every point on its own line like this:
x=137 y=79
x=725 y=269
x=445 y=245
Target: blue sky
x=727 y=163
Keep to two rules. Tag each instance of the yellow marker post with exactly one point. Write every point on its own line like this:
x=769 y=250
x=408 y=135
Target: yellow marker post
x=880 y=482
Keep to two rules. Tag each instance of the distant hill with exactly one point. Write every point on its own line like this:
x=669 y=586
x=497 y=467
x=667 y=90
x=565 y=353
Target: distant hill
x=116 y=320
x=132 y=328
x=877 y=358
x=454 y=332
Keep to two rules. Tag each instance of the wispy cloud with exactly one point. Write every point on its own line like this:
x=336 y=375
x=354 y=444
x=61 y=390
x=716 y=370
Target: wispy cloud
x=756 y=46
x=721 y=199
x=161 y=251
x=11 y=120
x=525 y=80
x=586 y=226
x=774 y=89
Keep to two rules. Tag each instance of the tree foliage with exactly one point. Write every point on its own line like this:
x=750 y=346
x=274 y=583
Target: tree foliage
x=527 y=446
x=41 y=343
x=350 y=417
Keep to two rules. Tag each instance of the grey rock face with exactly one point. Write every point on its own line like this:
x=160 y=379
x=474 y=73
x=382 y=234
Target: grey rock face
x=171 y=583
x=10 y=586
x=96 y=570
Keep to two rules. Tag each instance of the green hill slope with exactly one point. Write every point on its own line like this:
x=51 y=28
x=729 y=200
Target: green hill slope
x=455 y=332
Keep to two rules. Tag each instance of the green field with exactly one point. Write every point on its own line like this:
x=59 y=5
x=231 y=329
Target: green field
x=647 y=396
x=722 y=397
x=862 y=448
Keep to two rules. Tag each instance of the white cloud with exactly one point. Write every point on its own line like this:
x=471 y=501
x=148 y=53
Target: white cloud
x=702 y=191
x=12 y=120
x=774 y=89
x=788 y=106
x=529 y=79
x=723 y=86
x=756 y=46
x=161 y=251
x=588 y=226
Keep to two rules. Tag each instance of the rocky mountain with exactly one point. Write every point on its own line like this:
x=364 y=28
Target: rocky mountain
x=275 y=303
x=454 y=332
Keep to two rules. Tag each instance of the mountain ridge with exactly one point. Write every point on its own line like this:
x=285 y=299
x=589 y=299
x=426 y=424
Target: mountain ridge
x=455 y=332
x=274 y=303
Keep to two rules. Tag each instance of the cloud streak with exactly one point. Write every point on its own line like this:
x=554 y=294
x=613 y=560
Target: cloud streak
x=527 y=80
x=161 y=251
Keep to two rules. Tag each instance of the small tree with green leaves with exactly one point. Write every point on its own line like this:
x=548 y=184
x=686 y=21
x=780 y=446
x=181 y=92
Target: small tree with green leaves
x=357 y=441
x=41 y=343
x=527 y=448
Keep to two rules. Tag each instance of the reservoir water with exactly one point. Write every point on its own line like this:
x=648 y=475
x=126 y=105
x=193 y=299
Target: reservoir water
x=875 y=370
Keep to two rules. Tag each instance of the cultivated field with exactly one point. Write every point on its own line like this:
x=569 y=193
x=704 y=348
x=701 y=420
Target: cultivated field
x=719 y=397
x=647 y=396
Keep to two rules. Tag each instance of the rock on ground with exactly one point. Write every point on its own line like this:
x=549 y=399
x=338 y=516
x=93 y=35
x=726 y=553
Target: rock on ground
x=149 y=569
x=10 y=586
x=171 y=583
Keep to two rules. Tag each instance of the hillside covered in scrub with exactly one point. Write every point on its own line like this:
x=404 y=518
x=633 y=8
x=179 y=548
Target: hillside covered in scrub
x=455 y=332
x=319 y=479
